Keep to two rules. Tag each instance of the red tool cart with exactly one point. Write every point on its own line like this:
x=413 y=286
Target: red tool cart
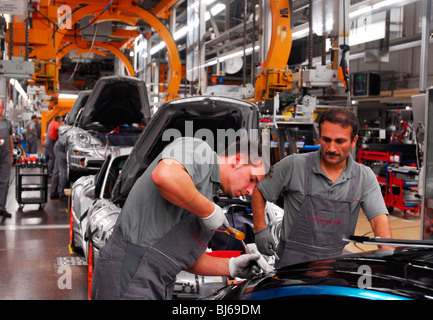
x=399 y=183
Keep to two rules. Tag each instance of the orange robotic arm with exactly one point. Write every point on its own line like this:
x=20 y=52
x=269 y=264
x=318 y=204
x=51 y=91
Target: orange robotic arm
x=274 y=77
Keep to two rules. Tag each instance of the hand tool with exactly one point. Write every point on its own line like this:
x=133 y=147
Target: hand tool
x=250 y=248
x=235 y=233
x=263 y=264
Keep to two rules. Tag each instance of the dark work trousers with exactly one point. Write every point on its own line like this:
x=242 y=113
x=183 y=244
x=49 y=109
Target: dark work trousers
x=59 y=179
x=5 y=161
x=49 y=153
x=5 y=171
x=127 y=271
x=31 y=144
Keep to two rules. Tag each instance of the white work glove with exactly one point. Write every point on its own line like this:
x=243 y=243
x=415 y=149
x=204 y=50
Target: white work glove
x=244 y=266
x=265 y=241
x=216 y=219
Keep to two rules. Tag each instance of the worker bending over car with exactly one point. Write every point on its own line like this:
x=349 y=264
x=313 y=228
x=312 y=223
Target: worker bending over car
x=323 y=193
x=169 y=218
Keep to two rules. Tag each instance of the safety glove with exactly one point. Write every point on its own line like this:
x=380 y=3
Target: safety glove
x=265 y=241
x=244 y=266
x=215 y=220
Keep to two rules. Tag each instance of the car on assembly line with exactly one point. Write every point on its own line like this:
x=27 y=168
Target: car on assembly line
x=185 y=116
x=403 y=273
x=92 y=191
x=199 y=116
x=114 y=115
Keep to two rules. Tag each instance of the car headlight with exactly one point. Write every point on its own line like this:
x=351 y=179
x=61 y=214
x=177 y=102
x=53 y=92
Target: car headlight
x=101 y=223
x=83 y=140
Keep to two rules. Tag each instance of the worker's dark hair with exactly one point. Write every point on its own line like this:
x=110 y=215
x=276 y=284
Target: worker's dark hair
x=341 y=116
x=249 y=148
x=57 y=118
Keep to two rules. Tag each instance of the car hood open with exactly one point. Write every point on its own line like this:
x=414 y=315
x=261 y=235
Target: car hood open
x=79 y=103
x=116 y=100
x=187 y=116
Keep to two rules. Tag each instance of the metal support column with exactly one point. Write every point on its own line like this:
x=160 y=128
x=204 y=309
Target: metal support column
x=427 y=194
x=425 y=12
x=427 y=170
x=202 y=48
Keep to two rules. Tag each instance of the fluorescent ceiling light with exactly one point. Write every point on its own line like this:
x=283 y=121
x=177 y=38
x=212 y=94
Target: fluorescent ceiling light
x=67 y=96
x=156 y=48
x=301 y=33
x=197 y=3
x=219 y=7
x=216 y=9
x=239 y=53
x=18 y=87
x=376 y=5
x=180 y=33
x=384 y=3
x=360 y=12
x=230 y=55
x=375 y=31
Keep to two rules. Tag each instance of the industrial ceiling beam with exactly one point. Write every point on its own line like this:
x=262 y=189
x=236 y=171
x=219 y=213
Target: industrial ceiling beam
x=130 y=9
x=98 y=44
x=162 y=9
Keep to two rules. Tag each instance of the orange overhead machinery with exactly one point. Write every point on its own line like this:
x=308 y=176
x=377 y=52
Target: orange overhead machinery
x=274 y=77
x=47 y=35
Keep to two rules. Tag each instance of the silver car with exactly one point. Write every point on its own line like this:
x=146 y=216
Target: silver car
x=114 y=115
x=88 y=195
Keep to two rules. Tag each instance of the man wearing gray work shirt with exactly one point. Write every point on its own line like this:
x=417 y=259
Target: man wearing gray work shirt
x=6 y=159
x=323 y=193
x=169 y=218
x=206 y=179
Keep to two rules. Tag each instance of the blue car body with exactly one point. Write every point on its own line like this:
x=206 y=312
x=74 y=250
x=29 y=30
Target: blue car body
x=399 y=274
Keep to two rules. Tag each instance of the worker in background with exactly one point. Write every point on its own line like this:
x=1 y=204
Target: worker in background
x=38 y=128
x=169 y=218
x=6 y=159
x=50 y=140
x=323 y=193
x=31 y=136
x=59 y=179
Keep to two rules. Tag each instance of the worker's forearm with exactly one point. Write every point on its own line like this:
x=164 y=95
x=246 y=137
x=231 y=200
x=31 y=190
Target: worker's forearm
x=258 y=204
x=207 y=265
x=175 y=185
x=381 y=229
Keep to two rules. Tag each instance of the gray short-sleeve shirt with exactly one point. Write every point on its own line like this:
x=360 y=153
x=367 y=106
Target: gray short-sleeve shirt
x=288 y=177
x=146 y=215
